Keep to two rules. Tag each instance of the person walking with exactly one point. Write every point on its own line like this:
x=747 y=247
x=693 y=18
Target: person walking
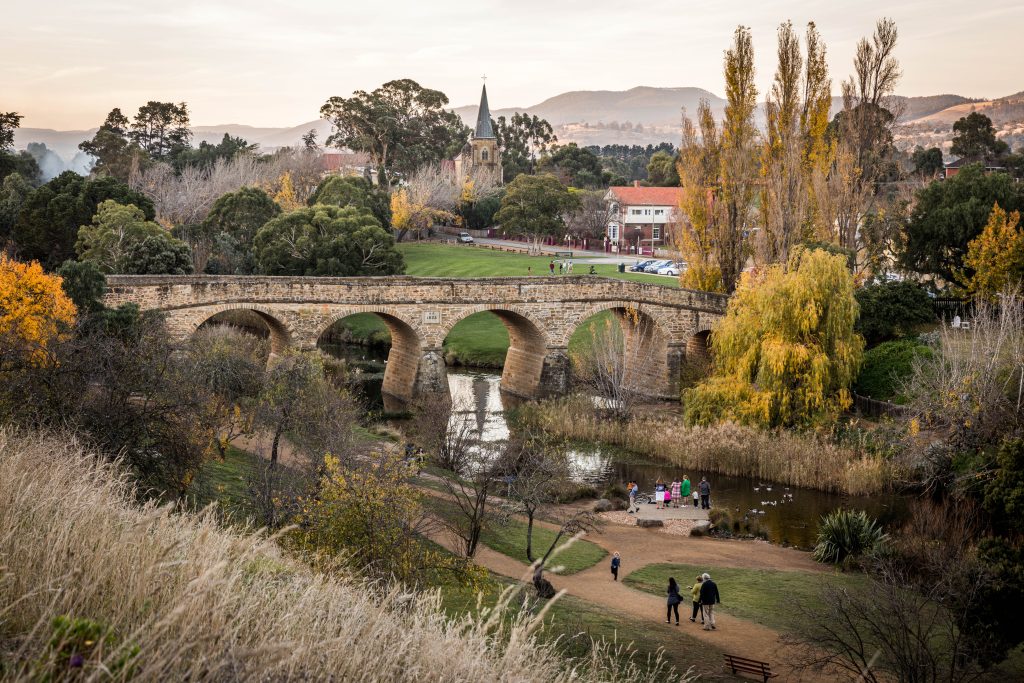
x=708 y=599
x=677 y=492
x=695 y=596
x=705 y=494
x=673 y=601
x=616 y=562
x=684 y=491
x=551 y=267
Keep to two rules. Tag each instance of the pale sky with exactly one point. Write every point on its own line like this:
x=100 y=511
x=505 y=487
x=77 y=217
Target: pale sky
x=65 y=63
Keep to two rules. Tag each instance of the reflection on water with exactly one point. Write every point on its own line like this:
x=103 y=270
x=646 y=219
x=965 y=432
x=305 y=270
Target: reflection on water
x=788 y=514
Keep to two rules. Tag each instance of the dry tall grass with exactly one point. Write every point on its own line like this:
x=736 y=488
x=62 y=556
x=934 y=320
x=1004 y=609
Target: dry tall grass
x=202 y=603
x=781 y=456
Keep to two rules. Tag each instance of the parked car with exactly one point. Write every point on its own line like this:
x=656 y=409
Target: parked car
x=654 y=267
x=639 y=266
x=675 y=269
x=465 y=237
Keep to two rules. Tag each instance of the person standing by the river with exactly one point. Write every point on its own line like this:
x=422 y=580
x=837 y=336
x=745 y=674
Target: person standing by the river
x=684 y=491
x=705 y=494
x=659 y=494
x=677 y=490
x=631 y=490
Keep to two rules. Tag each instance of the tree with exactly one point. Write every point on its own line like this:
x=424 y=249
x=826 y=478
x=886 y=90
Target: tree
x=575 y=166
x=533 y=206
x=232 y=225
x=354 y=191
x=947 y=215
x=590 y=218
x=50 y=218
x=974 y=139
x=927 y=162
x=14 y=191
x=161 y=129
x=661 y=170
x=285 y=196
x=85 y=285
x=111 y=146
x=326 y=240
x=537 y=471
x=786 y=352
x=206 y=155
x=401 y=125
x=701 y=218
x=121 y=240
x=796 y=112
x=520 y=140
x=9 y=122
x=862 y=139
x=892 y=309
x=34 y=311
x=995 y=258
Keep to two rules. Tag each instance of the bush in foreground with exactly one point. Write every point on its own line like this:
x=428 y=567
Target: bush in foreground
x=179 y=598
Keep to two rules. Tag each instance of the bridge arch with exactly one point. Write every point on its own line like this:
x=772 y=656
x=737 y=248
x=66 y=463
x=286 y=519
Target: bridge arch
x=640 y=344
x=402 y=369
x=523 y=369
x=280 y=333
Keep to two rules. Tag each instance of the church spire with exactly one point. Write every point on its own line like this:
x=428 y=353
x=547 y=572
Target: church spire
x=483 y=118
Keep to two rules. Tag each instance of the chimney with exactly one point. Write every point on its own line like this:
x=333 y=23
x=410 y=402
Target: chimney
x=636 y=183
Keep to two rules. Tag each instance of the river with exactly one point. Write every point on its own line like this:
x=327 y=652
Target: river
x=789 y=515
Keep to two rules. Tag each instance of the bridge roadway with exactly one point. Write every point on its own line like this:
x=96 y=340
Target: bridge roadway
x=661 y=325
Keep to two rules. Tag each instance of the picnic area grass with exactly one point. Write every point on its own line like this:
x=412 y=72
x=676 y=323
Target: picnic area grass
x=766 y=596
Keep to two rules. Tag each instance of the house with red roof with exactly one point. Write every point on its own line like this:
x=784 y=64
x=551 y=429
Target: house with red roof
x=641 y=219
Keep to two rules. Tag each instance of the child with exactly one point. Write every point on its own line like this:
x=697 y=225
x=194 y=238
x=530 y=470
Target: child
x=615 y=566
x=696 y=497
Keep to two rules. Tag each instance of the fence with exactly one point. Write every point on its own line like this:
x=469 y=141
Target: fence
x=873 y=408
x=947 y=307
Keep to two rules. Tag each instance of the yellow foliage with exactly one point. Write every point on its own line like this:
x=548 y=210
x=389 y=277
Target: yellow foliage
x=786 y=352
x=285 y=196
x=468 y=195
x=996 y=255
x=34 y=310
x=409 y=214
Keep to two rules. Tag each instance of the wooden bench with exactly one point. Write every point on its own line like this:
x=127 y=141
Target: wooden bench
x=749 y=666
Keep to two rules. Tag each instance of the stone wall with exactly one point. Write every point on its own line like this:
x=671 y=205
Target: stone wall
x=541 y=314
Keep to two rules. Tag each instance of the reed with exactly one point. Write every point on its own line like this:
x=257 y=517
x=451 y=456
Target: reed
x=796 y=459
x=95 y=587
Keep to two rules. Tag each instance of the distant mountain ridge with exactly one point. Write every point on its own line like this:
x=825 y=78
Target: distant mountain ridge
x=641 y=115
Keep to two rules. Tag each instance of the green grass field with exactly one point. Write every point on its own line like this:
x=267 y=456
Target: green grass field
x=765 y=596
x=481 y=340
x=510 y=539
x=225 y=482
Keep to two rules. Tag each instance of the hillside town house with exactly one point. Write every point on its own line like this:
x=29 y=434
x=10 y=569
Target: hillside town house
x=641 y=219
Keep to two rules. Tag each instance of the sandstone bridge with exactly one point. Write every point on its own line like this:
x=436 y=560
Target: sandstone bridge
x=540 y=313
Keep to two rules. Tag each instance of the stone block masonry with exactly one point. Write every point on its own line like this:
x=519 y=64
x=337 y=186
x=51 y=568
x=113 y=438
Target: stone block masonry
x=541 y=313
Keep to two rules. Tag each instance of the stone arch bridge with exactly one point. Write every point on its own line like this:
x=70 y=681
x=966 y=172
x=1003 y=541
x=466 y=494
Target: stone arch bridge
x=662 y=325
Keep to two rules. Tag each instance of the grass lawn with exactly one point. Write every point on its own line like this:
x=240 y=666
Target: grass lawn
x=226 y=483
x=445 y=260
x=574 y=623
x=510 y=539
x=763 y=596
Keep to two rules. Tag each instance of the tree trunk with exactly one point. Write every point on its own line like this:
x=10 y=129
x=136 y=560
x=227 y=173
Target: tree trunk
x=277 y=442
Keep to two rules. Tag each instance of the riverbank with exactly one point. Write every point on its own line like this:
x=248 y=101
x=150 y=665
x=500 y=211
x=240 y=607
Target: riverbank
x=807 y=461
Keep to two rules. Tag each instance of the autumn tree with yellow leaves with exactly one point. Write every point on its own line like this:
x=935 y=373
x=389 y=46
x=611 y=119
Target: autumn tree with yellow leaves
x=786 y=352
x=285 y=195
x=995 y=258
x=34 y=311
x=718 y=172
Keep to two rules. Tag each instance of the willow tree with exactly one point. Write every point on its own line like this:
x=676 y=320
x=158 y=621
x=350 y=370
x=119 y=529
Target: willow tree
x=719 y=174
x=786 y=352
x=794 y=152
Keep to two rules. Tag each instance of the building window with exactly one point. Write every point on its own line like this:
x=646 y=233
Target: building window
x=659 y=212
x=656 y=232
x=483 y=155
x=634 y=212
x=613 y=232
x=647 y=212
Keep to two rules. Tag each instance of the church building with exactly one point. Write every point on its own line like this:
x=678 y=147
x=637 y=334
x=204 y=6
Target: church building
x=481 y=152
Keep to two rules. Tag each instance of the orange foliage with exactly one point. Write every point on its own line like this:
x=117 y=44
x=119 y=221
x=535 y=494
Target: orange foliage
x=34 y=310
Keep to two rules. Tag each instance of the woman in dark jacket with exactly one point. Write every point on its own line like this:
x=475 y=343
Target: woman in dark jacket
x=673 y=601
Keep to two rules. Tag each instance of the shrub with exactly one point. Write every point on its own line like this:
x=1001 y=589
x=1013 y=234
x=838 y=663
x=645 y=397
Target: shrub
x=892 y=309
x=847 y=534
x=887 y=366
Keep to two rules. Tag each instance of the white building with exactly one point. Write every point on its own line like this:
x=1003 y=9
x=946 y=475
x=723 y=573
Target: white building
x=641 y=219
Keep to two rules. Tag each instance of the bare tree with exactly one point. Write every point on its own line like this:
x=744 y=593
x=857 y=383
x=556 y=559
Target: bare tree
x=612 y=363
x=537 y=471
x=590 y=218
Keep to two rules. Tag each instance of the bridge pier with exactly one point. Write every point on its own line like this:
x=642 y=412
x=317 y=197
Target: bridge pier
x=432 y=374
x=556 y=375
